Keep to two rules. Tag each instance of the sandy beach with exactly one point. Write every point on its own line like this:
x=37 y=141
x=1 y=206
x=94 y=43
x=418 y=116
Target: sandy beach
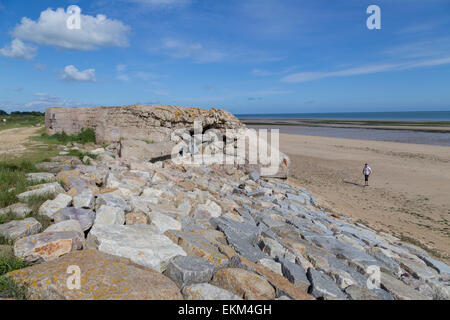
x=409 y=192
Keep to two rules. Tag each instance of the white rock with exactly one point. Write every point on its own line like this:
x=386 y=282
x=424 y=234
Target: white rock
x=41 y=176
x=232 y=216
x=213 y=208
x=84 y=200
x=50 y=207
x=112 y=182
x=163 y=222
x=206 y=291
x=139 y=243
x=152 y=193
x=20 y=228
x=142 y=204
x=272 y=265
x=107 y=215
x=65 y=226
x=42 y=190
x=98 y=151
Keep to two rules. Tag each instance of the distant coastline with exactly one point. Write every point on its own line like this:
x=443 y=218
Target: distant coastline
x=432 y=128
x=410 y=116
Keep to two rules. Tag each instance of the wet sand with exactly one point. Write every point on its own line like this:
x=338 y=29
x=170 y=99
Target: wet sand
x=409 y=192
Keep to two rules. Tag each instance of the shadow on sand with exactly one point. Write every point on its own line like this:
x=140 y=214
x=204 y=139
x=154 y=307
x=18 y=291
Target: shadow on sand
x=353 y=183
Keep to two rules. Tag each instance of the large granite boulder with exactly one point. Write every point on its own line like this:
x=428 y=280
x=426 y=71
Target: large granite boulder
x=139 y=243
x=103 y=277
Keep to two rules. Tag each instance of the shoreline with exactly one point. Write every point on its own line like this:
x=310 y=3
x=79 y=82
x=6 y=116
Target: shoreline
x=419 y=126
x=427 y=136
x=408 y=193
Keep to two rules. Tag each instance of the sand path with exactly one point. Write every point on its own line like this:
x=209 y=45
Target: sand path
x=15 y=141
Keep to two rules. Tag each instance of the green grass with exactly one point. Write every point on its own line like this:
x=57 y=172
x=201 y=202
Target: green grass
x=35 y=203
x=81 y=155
x=10 y=263
x=148 y=141
x=8 y=288
x=85 y=136
x=18 y=121
x=5 y=241
x=13 y=178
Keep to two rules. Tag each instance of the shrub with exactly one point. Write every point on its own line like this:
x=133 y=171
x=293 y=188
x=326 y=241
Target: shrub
x=85 y=136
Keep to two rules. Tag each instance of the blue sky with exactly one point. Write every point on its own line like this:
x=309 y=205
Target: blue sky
x=246 y=56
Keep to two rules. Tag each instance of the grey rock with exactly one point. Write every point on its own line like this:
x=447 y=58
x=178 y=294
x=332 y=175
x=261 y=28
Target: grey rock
x=439 y=266
x=41 y=190
x=53 y=167
x=187 y=270
x=20 y=210
x=143 y=204
x=50 y=207
x=418 y=269
x=243 y=230
x=360 y=293
x=107 y=215
x=84 y=216
x=272 y=247
x=206 y=291
x=272 y=265
x=84 y=200
x=41 y=177
x=358 y=258
x=112 y=201
x=322 y=285
x=139 y=243
x=399 y=290
x=254 y=176
x=20 y=228
x=163 y=222
x=294 y=273
x=244 y=246
x=299 y=198
x=65 y=226
x=195 y=244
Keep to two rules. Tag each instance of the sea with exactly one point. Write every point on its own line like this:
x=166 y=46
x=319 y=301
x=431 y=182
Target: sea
x=389 y=116
x=403 y=136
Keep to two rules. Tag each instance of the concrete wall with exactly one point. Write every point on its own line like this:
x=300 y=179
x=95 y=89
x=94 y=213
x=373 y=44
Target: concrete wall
x=135 y=122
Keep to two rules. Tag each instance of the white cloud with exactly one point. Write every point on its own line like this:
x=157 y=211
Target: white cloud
x=195 y=51
x=370 y=69
x=41 y=101
x=19 y=50
x=51 y=29
x=71 y=73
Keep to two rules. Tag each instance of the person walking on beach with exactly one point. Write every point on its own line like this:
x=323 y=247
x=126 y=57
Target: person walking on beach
x=367 y=171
